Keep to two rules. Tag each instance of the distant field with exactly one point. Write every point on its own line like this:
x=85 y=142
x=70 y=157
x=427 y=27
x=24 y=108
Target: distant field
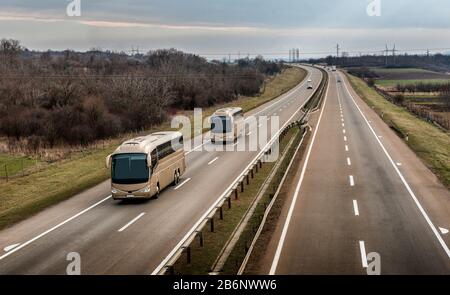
x=393 y=83
x=409 y=74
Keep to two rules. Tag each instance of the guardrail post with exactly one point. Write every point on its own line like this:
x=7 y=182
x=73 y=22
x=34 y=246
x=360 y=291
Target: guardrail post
x=235 y=194
x=188 y=254
x=200 y=237
x=221 y=213
x=171 y=270
x=211 y=222
x=260 y=164
x=251 y=173
x=248 y=179
x=242 y=186
x=229 y=202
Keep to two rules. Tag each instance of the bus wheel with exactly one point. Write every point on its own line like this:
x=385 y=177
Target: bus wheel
x=176 y=178
x=157 y=192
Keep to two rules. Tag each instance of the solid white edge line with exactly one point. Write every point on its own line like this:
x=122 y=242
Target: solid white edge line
x=183 y=183
x=213 y=160
x=53 y=228
x=402 y=178
x=186 y=236
x=131 y=222
x=362 y=249
x=355 y=207
x=277 y=255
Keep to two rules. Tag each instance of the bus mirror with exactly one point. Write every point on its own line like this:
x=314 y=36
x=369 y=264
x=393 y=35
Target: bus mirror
x=108 y=161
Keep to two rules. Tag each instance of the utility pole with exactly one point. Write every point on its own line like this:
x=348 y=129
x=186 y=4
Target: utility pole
x=298 y=54
x=386 y=54
x=393 y=53
x=337 y=53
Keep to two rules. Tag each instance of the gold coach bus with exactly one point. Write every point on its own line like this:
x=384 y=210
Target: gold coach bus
x=142 y=167
x=227 y=124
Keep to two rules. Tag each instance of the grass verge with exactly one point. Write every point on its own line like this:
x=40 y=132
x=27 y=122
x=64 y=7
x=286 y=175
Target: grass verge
x=24 y=196
x=429 y=142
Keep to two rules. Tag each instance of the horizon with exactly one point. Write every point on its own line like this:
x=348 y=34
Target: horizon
x=222 y=28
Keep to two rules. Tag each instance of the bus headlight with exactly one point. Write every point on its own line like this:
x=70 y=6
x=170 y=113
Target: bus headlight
x=114 y=191
x=145 y=189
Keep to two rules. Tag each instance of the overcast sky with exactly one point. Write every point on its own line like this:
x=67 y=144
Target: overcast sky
x=218 y=27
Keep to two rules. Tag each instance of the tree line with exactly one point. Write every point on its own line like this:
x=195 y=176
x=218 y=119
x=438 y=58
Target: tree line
x=72 y=98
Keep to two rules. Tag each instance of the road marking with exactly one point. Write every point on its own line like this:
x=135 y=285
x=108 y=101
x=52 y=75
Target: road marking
x=213 y=160
x=355 y=207
x=345 y=138
x=131 y=222
x=183 y=183
x=349 y=163
x=10 y=247
x=249 y=133
x=402 y=178
x=352 y=181
x=444 y=231
x=277 y=255
x=398 y=164
x=343 y=125
x=343 y=131
x=342 y=120
x=259 y=125
x=362 y=249
x=53 y=228
x=346 y=148
x=379 y=136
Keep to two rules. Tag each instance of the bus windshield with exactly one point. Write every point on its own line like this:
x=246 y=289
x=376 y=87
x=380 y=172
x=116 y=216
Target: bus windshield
x=129 y=169
x=220 y=124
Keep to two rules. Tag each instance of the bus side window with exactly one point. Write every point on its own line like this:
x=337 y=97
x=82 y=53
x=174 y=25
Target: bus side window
x=154 y=157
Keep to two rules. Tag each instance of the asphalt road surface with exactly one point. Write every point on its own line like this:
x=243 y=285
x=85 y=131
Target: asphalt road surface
x=360 y=190
x=115 y=237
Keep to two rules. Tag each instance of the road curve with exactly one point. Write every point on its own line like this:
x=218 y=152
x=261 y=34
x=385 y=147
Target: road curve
x=132 y=237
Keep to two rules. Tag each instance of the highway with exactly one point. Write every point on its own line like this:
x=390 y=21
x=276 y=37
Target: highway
x=115 y=237
x=360 y=190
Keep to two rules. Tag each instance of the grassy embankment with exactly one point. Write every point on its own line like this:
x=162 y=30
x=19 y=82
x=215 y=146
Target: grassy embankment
x=22 y=197
x=429 y=142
